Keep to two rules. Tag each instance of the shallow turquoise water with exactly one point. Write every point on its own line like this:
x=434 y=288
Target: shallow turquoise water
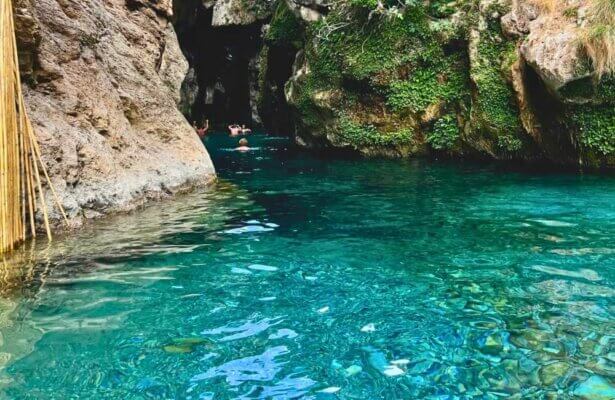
x=300 y=277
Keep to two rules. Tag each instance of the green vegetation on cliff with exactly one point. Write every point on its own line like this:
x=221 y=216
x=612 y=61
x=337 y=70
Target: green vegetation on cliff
x=285 y=29
x=596 y=126
x=359 y=136
x=389 y=77
x=495 y=99
x=389 y=72
x=444 y=134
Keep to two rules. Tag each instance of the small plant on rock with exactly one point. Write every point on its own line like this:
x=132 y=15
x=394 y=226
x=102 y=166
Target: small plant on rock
x=444 y=134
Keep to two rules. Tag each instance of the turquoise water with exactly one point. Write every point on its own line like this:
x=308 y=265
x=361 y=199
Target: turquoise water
x=301 y=277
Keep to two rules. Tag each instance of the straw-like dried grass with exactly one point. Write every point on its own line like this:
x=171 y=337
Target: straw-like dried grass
x=21 y=188
x=598 y=37
x=549 y=6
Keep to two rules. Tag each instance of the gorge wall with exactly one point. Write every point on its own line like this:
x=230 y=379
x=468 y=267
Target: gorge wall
x=506 y=80
x=102 y=84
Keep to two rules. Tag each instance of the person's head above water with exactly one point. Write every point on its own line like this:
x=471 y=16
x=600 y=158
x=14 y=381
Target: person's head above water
x=243 y=142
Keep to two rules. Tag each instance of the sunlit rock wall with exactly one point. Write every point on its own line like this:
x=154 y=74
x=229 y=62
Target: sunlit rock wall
x=102 y=82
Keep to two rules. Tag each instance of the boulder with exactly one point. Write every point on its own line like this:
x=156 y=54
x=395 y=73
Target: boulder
x=240 y=12
x=552 y=49
x=308 y=10
x=102 y=95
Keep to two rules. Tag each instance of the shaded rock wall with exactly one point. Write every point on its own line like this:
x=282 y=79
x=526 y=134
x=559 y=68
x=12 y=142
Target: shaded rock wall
x=283 y=39
x=102 y=85
x=222 y=40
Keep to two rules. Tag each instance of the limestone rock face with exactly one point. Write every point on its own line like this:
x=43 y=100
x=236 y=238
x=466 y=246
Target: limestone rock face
x=102 y=85
x=551 y=45
x=555 y=56
x=516 y=23
x=308 y=10
x=240 y=12
x=189 y=91
x=163 y=7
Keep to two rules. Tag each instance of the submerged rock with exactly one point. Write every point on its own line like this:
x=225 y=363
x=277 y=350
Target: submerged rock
x=550 y=373
x=595 y=388
x=187 y=345
x=353 y=370
x=330 y=390
x=492 y=344
x=177 y=349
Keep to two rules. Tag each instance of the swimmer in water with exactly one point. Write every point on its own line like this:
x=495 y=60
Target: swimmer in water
x=202 y=131
x=243 y=145
x=235 y=130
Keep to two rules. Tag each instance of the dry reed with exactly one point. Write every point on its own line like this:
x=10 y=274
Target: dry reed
x=598 y=37
x=21 y=188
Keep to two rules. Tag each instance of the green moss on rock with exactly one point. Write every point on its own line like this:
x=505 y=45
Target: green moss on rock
x=285 y=29
x=606 y=90
x=359 y=136
x=495 y=98
x=579 y=89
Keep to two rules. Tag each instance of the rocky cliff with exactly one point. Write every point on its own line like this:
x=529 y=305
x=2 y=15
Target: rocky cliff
x=496 y=79
x=102 y=83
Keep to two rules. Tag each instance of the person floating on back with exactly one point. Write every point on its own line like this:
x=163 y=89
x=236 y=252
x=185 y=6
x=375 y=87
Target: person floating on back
x=243 y=145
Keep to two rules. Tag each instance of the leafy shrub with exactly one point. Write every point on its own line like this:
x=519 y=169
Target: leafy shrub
x=369 y=4
x=596 y=127
x=509 y=143
x=426 y=86
x=444 y=134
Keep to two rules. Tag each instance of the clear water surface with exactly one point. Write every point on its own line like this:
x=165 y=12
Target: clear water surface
x=302 y=277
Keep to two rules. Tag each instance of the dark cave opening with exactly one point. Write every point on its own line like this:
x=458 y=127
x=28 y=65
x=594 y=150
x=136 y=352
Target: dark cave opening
x=547 y=109
x=220 y=84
